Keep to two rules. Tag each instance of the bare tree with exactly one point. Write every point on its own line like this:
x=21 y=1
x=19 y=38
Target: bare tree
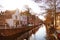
x=53 y=5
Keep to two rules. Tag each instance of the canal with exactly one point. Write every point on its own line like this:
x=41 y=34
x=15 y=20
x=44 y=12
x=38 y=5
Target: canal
x=38 y=33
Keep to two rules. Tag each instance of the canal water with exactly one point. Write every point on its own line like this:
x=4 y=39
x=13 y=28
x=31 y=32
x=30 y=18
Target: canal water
x=40 y=34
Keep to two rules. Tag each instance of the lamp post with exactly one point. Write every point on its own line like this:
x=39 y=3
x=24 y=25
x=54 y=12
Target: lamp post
x=54 y=13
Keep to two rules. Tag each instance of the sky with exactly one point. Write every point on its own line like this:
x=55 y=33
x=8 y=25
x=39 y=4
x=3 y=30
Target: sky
x=21 y=5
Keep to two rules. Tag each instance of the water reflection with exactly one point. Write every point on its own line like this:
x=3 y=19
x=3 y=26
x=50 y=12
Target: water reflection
x=40 y=34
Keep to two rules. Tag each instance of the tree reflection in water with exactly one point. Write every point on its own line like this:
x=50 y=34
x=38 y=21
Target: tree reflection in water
x=40 y=34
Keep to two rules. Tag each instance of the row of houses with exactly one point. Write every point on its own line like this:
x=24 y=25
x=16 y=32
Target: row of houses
x=16 y=19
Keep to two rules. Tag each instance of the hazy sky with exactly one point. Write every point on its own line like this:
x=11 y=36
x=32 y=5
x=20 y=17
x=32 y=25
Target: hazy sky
x=20 y=4
x=13 y=4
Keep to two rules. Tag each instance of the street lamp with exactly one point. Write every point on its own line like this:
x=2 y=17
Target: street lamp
x=55 y=13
